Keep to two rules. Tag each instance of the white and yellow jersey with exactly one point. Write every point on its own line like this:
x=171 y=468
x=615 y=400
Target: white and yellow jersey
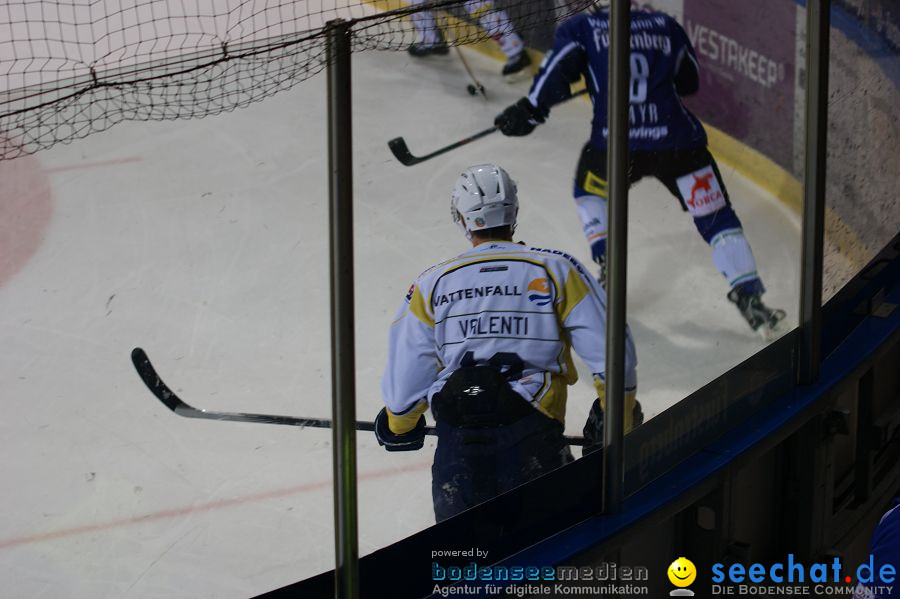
x=503 y=303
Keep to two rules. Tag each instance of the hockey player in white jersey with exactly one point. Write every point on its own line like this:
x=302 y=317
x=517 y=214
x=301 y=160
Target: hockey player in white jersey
x=493 y=20
x=484 y=339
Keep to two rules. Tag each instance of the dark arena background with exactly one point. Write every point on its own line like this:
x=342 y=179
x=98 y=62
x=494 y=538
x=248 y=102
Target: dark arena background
x=211 y=182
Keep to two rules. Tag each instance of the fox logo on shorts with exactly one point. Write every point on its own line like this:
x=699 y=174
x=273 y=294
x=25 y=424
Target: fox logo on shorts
x=700 y=184
x=701 y=192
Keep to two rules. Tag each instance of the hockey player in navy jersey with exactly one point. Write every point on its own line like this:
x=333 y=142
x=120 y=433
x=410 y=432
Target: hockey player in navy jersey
x=484 y=339
x=666 y=140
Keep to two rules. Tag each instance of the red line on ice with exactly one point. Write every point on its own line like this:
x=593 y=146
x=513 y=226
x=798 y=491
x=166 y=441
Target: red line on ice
x=204 y=507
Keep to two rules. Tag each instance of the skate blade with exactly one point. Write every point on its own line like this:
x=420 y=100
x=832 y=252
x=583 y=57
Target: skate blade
x=771 y=332
x=517 y=77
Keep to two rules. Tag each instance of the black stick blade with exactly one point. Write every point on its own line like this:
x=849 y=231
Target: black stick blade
x=401 y=152
x=156 y=385
x=171 y=400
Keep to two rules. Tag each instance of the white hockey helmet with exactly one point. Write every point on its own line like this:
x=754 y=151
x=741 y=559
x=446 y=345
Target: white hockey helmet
x=484 y=197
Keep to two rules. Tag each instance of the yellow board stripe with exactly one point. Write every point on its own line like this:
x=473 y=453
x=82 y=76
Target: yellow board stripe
x=765 y=173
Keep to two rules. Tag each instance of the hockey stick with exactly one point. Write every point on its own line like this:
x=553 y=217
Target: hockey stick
x=168 y=397
x=475 y=87
x=171 y=400
x=401 y=151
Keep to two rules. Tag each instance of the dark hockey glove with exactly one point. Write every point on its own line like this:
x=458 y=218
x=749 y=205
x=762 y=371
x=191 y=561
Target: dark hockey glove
x=593 y=429
x=391 y=441
x=519 y=119
x=598 y=251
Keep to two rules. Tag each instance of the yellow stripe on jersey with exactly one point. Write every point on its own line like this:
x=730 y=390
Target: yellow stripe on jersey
x=544 y=387
x=573 y=292
x=418 y=309
x=553 y=403
x=571 y=371
x=630 y=400
x=403 y=423
x=595 y=185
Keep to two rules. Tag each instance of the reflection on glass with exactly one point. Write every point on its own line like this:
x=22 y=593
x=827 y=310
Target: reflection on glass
x=735 y=87
x=863 y=138
x=714 y=196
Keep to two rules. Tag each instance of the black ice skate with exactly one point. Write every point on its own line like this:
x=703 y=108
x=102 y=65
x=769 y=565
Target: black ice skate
x=761 y=318
x=420 y=50
x=516 y=68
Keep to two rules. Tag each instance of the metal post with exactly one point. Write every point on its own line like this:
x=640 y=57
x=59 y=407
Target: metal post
x=617 y=169
x=343 y=367
x=818 y=13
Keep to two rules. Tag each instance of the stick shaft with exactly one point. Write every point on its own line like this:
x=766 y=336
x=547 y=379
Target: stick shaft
x=401 y=151
x=170 y=399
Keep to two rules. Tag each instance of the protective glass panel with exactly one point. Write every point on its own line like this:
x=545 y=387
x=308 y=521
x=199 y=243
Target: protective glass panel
x=686 y=332
x=497 y=305
x=862 y=212
x=714 y=277
x=204 y=242
x=188 y=239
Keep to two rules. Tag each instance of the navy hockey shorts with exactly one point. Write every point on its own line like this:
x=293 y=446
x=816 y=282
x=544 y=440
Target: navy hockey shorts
x=667 y=166
x=690 y=174
x=472 y=465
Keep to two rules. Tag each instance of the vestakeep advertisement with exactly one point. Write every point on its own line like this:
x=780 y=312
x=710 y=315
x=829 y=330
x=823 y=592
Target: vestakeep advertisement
x=747 y=54
x=747 y=85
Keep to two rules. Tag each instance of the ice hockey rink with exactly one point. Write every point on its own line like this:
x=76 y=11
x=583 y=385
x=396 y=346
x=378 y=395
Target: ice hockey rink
x=205 y=242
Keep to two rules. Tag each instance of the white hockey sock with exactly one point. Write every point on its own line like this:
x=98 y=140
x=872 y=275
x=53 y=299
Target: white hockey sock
x=497 y=24
x=425 y=26
x=592 y=211
x=733 y=257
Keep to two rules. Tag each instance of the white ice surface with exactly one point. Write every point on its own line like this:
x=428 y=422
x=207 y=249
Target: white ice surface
x=205 y=242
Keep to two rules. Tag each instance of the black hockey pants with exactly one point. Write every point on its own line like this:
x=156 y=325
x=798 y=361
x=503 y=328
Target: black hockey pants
x=489 y=441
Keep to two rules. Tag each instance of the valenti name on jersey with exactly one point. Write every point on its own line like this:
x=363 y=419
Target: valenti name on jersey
x=499 y=298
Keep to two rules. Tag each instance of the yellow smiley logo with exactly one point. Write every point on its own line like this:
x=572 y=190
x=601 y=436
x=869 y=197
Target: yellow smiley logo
x=682 y=572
